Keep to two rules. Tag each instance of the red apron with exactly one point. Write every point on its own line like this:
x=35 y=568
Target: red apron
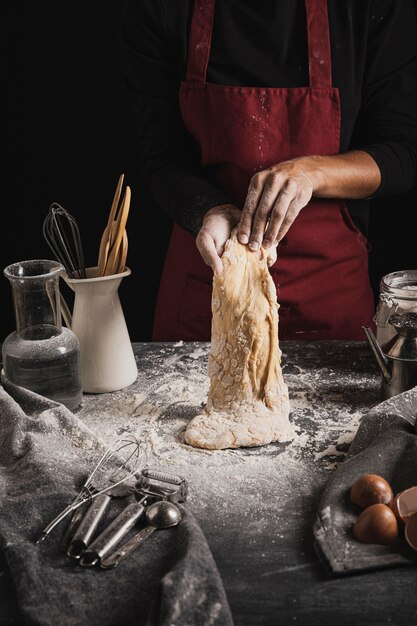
x=321 y=273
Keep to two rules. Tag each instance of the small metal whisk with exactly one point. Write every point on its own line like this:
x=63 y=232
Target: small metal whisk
x=62 y=235
x=122 y=460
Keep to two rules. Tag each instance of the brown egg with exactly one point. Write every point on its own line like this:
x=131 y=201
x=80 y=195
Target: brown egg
x=394 y=508
x=376 y=524
x=371 y=489
x=404 y=504
x=411 y=531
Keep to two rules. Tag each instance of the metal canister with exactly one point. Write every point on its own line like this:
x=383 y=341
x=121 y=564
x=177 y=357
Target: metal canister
x=398 y=294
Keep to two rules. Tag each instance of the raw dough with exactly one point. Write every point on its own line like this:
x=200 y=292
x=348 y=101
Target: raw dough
x=248 y=401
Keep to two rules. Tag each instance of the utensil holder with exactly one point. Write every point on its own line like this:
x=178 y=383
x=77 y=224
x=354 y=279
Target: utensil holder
x=107 y=359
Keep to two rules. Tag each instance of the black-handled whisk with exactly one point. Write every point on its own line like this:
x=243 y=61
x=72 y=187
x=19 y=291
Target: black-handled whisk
x=62 y=235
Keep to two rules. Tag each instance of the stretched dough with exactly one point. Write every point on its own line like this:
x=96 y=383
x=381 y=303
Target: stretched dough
x=248 y=401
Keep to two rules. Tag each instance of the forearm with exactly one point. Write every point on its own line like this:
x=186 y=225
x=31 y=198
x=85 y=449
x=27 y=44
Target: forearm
x=350 y=176
x=277 y=195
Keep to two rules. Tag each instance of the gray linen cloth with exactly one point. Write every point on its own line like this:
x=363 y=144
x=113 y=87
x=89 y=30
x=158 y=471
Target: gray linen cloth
x=385 y=444
x=45 y=452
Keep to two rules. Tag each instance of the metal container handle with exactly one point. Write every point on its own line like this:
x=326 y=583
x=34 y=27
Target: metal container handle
x=385 y=299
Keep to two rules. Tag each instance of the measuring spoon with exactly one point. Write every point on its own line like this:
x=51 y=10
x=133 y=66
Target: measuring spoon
x=87 y=527
x=160 y=515
x=114 y=533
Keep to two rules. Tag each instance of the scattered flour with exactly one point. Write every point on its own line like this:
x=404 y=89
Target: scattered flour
x=327 y=405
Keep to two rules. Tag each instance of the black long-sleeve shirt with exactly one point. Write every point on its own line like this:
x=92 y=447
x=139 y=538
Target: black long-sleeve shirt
x=264 y=44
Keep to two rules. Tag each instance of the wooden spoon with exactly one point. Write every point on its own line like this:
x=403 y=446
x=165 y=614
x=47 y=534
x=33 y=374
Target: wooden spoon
x=122 y=252
x=112 y=237
x=121 y=257
x=103 y=252
x=112 y=266
x=106 y=241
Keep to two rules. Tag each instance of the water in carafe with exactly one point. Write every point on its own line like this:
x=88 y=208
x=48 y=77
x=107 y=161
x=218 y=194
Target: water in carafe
x=41 y=355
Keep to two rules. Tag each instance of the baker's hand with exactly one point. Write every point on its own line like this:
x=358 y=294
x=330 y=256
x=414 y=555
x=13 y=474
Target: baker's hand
x=217 y=226
x=275 y=198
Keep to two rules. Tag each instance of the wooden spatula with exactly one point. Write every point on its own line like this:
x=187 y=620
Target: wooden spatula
x=122 y=254
x=106 y=238
x=113 y=262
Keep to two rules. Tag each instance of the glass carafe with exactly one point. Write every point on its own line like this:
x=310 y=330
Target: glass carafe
x=41 y=355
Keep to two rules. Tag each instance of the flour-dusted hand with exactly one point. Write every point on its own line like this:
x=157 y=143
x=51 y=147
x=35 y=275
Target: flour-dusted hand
x=218 y=224
x=277 y=195
x=274 y=200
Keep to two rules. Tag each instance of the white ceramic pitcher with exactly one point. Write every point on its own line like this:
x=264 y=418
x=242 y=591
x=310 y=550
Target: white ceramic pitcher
x=107 y=359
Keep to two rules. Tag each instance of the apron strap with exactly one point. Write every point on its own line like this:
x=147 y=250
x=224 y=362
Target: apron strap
x=200 y=40
x=319 y=55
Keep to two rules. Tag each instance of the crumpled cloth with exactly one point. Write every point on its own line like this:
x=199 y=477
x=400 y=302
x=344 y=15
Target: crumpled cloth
x=45 y=453
x=385 y=444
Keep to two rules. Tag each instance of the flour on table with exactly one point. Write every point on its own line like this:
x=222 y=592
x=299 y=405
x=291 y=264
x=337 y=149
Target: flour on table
x=327 y=403
x=248 y=401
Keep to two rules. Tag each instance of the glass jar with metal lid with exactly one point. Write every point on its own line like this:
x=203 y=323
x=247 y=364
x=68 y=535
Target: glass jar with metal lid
x=398 y=294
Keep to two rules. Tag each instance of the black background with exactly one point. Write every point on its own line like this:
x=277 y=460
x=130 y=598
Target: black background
x=69 y=133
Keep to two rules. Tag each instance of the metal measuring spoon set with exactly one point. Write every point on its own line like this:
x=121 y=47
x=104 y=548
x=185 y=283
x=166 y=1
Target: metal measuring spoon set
x=156 y=494
x=121 y=461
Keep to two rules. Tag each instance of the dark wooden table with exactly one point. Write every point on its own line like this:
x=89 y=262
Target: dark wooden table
x=257 y=506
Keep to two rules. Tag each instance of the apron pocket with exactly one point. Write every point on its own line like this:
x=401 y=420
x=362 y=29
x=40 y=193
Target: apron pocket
x=194 y=318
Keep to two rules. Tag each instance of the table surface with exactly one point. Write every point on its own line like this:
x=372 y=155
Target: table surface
x=257 y=506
